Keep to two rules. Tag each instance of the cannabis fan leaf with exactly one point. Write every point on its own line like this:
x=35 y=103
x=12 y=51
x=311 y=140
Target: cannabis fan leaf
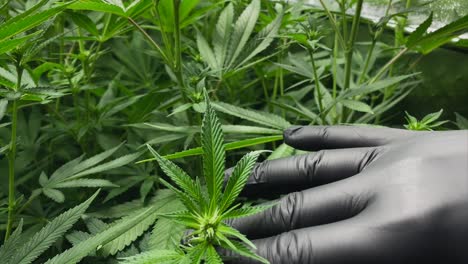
x=209 y=205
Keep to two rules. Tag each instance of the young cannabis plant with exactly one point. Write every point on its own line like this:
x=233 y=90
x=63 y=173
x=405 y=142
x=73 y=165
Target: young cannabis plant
x=427 y=123
x=208 y=205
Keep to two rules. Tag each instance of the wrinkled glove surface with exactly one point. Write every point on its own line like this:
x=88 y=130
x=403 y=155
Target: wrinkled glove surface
x=368 y=195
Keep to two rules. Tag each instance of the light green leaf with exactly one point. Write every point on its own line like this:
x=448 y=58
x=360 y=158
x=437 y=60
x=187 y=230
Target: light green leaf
x=222 y=36
x=90 y=183
x=376 y=86
x=119 y=162
x=262 y=40
x=357 y=106
x=281 y=152
x=206 y=52
x=247 y=211
x=462 y=122
x=54 y=194
x=212 y=256
x=262 y=118
x=153 y=256
x=242 y=30
x=3 y=108
x=243 y=250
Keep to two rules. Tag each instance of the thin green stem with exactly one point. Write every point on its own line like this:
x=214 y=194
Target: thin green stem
x=178 y=51
x=370 y=52
x=150 y=39
x=388 y=65
x=334 y=24
x=317 y=85
x=351 y=41
x=344 y=20
x=376 y=36
x=12 y=156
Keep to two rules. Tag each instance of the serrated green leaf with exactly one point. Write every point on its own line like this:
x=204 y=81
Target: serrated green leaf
x=206 y=52
x=262 y=118
x=13 y=242
x=243 y=28
x=356 y=106
x=88 y=163
x=260 y=42
x=43 y=239
x=97 y=5
x=166 y=234
x=212 y=257
x=419 y=32
x=229 y=231
x=247 y=211
x=54 y=194
x=24 y=22
x=281 y=152
x=81 y=250
x=85 y=23
x=222 y=36
x=429 y=118
x=214 y=156
x=90 y=183
x=238 y=178
x=119 y=162
x=77 y=237
x=243 y=250
x=376 y=86
x=7 y=45
x=180 y=177
x=3 y=108
x=153 y=256
x=439 y=37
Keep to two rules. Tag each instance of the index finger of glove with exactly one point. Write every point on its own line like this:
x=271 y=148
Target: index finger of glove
x=314 y=138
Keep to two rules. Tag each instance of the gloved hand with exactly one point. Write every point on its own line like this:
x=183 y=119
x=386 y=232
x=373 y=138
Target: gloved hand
x=374 y=195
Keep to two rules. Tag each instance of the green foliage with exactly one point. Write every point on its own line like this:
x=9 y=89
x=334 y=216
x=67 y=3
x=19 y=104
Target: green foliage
x=86 y=85
x=207 y=207
x=232 y=45
x=429 y=122
x=30 y=249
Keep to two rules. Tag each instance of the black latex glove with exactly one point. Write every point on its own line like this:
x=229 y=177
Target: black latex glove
x=377 y=195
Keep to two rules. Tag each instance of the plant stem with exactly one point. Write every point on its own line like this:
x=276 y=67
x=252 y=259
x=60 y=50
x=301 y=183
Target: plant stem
x=388 y=65
x=317 y=85
x=149 y=38
x=334 y=23
x=368 y=58
x=351 y=41
x=12 y=156
x=344 y=20
x=178 y=51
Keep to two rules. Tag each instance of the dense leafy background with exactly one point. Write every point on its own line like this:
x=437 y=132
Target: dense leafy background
x=85 y=85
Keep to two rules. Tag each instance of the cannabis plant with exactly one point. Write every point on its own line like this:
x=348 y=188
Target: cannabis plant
x=429 y=122
x=207 y=205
